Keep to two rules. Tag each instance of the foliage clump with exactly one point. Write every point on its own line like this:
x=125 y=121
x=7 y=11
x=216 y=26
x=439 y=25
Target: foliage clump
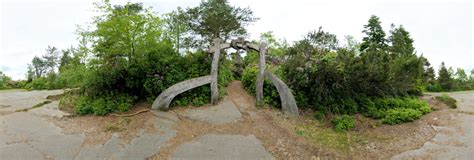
x=102 y=105
x=400 y=115
x=450 y=101
x=343 y=122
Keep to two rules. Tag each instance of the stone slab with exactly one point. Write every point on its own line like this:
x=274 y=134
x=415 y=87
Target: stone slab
x=219 y=147
x=224 y=112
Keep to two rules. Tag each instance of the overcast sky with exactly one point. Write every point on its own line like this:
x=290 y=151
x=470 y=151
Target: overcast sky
x=442 y=29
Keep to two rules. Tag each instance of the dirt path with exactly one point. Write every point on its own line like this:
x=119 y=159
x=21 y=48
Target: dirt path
x=454 y=138
x=264 y=124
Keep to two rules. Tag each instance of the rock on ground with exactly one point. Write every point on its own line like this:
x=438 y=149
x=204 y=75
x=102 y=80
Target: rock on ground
x=213 y=146
x=30 y=135
x=224 y=112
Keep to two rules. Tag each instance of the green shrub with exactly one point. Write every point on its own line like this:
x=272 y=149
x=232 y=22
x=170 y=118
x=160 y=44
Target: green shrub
x=270 y=93
x=249 y=77
x=434 y=87
x=375 y=113
x=381 y=103
x=450 y=101
x=400 y=115
x=417 y=104
x=349 y=106
x=103 y=105
x=343 y=123
x=382 y=106
x=82 y=106
x=319 y=115
x=39 y=84
x=364 y=104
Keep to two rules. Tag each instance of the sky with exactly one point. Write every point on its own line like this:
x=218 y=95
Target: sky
x=442 y=29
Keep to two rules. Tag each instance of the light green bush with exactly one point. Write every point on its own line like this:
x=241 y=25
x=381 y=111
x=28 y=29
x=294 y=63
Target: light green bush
x=401 y=115
x=343 y=123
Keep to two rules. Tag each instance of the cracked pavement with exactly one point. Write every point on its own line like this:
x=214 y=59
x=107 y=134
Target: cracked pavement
x=28 y=133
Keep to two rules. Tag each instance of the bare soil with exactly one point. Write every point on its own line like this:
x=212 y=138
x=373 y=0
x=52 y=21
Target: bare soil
x=99 y=129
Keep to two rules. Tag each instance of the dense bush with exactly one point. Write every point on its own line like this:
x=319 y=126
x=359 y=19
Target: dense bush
x=400 y=115
x=450 y=101
x=103 y=105
x=434 y=88
x=270 y=93
x=383 y=105
x=343 y=122
x=4 y=81
x=398 y=110
x=38 y=84
x=199 y=64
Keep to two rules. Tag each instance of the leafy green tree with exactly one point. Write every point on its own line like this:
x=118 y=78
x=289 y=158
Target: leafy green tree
x=400 y=40
x=461 y=80
x=51 y=58
x=472 y=75
x=315 y=43
x=406 y=67
x=30 y=73
x=375 y=36
x=351 y=45
x=322 y=40
x=461 y=75
x=217 y=19
x=429 y=75
x=276 y=47
x=177 y=28
x=39 y=66
x=4 y=80
x=127 y=45
x=372 y=72
x=66 y=58
x=445 y=78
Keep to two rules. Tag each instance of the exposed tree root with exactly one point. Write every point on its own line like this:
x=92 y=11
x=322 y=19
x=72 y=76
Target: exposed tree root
x=131 y=114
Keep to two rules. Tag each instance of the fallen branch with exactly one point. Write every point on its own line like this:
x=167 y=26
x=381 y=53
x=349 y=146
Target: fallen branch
x=131 y=114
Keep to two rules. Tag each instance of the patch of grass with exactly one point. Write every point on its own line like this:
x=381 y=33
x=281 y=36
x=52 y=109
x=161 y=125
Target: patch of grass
x=35 y=106
x=112 y=127
x=124 y=120
x=55 y=97
x=68 y=101
x=21 y=110
x=450 y=101
x=41 y=104
x=466 y=112
x=325 y=137
x=319 y=115
x=322 y=136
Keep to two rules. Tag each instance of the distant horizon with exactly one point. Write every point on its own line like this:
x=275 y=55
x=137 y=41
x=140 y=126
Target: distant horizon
x=442 y=30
